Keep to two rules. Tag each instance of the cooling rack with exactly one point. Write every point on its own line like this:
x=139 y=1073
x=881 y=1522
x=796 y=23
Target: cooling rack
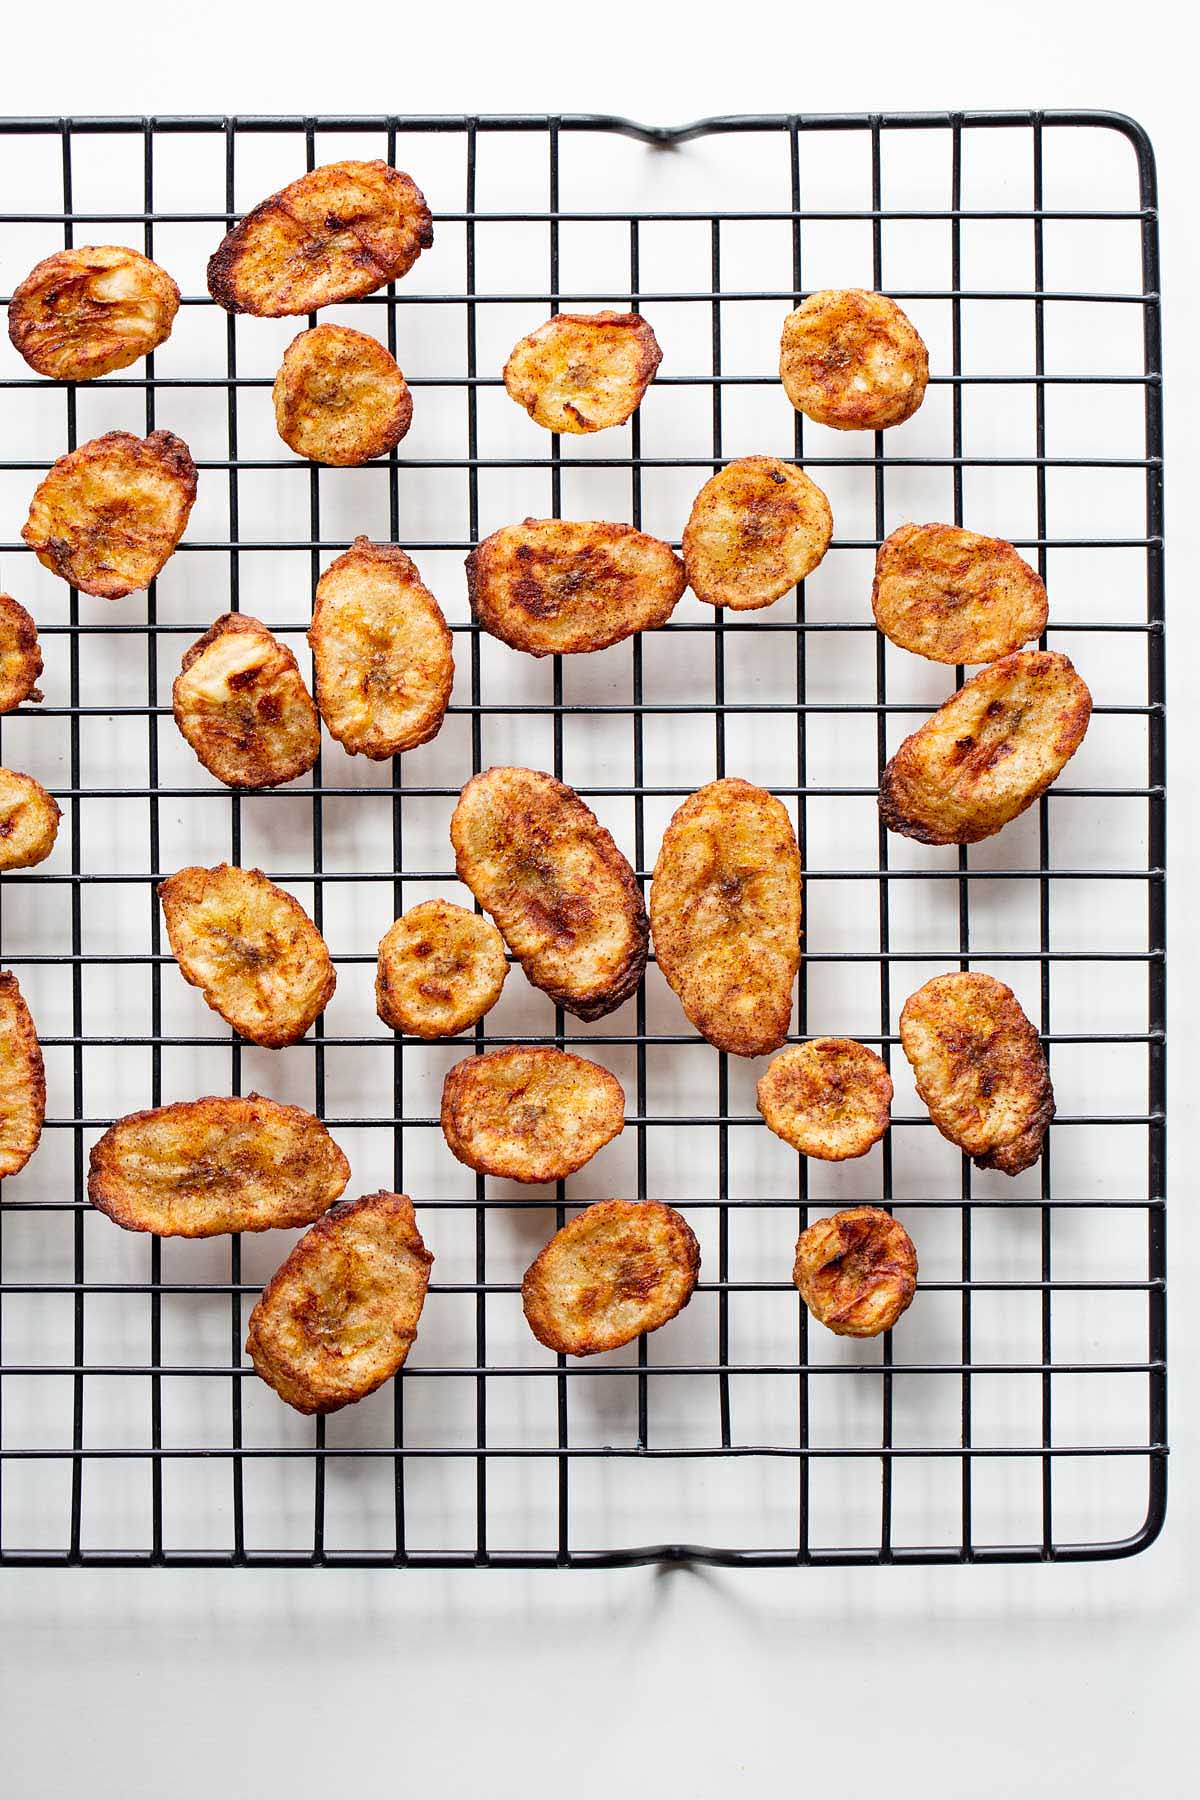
x=1018 y=1410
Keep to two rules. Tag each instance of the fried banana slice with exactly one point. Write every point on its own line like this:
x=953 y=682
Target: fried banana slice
x=340 y=397
x=28 y=821
x=530 y=1114
x=20 y=655
x=851 y=359
x=82 y=313
x=989 y=752
x=241 y=703
x=203 y=1167
x=567 y=903
x=337 y=233
x=980 y=1069
x=618 y=1269
x=756 y=528
x=954 y=596
x=22 y=1079
x=829 y=1098
x=340 y=1316
x=383 y=652
x=725 y=915
x=557 y=586
x=583 y=371
x=440 y=969
x=857 y=1271
x=251 y=949
x=109 y=514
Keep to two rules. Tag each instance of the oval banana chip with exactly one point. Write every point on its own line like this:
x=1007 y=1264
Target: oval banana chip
x=725 y=915
x=340 y=397
x=203 y=1167
x=241 y=703
x=954 y=596
x=756 y=528
x=441 y=968
x=583 y=371
x=851 y=359
x=85 y=312
x=530 y=1114
x=856 y=1271
x=566 y=901
x=22 y=1079
x=20 y=655
x=618 y=1269
x=830 y=1098
x=29 y=819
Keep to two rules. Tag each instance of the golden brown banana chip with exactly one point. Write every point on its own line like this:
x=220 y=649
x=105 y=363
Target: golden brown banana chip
x=857 y=1271
x=250 y=948
x=340 y=1316
x=560 y=586
x=618 y=1269
x=82 y=313
x=530 y=1114
x=383 y=652
x=241 y=703
x=757 y=528
x=20 y=655
x=583 y=371
x=202 y=1167
x=829 y=1098
x=340 y=397
x=566 y=901
x=954 y=596
x=980 y=1069
x=851 y=359
x=22 y=1079
x=109 y=514
x=725 y=915
x=989 y=752
x=440 y=969
x=28 y=821
x=337 y=233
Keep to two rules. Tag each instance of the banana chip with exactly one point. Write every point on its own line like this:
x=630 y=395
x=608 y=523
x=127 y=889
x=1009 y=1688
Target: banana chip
x=757 y=528
x=22 y=1079
x=583 y=371
x=851 y=359
x=530 y=1114
x=241 y=703
x=618 y=1269
x=954 y=596
x=82 y=313
x=20 y=655
x=440 y=969
x=857 y=1271
x=28 y=821
x=109 y=514
x=830 y=1098
x=340 y=397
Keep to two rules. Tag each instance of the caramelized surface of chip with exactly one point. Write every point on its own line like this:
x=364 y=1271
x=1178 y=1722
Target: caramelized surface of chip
x=757 y=528
x=829 y=1098
x=241 y=703
x=583 y=371
x=856 y=1271
x=530 y=1113
x=109 y=514
x=340 y=397
x=954 y=596
x=28 y=821
x=22 y=1079
x=851 y=359
x=440 y=969
x=20 y=655
x=618 y=1269
x=84 y=312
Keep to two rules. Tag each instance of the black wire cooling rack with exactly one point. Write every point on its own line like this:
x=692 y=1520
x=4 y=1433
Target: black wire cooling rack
x=88 y=1476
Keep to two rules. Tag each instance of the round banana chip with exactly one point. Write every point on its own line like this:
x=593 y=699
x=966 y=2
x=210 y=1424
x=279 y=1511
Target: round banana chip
x=954 y=596
x=530 y=1114
x=857 y=1271
x=583 y=371
x=851 y=359
x=85 y=312
x=28 y=821
x=22 y=1079
x=20 y=655
x=109 y=514
x=830 y=1098
x=618 y=1269
x=440 y=969
x=340 y=397
x=241 y=703
x=757 y=528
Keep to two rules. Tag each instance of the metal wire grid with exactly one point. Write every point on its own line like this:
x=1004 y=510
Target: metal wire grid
x=562 y=1456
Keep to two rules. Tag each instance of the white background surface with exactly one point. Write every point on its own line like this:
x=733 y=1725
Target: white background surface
x=957 y=1681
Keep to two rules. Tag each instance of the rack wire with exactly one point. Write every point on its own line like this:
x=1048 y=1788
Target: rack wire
x=132 y=1431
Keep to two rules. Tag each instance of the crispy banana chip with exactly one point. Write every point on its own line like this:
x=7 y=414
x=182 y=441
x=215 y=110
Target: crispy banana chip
x=851 y=359
x=980 y=1069
x=202 y=1167
x=383 y=652
x=530 y=1114
x=989 y=752
x=82 y=313
x=340 y=1316
x=251 y=949
x=857 y=1272
x=337 y=233
x=566 y=901
x=583 y=371
x=555 y=586
x=340 y=397
x=954 y=596
x=20 y=655
x=757 y=528
x=28 y=821
x=618 y=1269
x=241 y=703
x=109 y=514
x=22 y=1079
x=440 y=969
x=725 y=914
x=829 y=1098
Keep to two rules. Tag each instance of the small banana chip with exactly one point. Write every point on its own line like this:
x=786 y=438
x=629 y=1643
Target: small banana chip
x=440 y=969
x=82 y=313
x=618 y=1269
x=251 y=949
x=857 y=1271
x=556 y=586
x=28 y=821
x=340 y=1316
x=566 y=901
x=20 y=655
x=757 y=528
x=383 y=652
x=241 y=703
x=109 y=514
x=725 y=915
x=851 y=359
x=980 y=1069
x=530 y=1114
x=22 y=1079
x=337 y=233
x=202 y=1167
x=583 y=371
x=829 y=1098
x=989 y=752
x=954 y=596
x=340 y=397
